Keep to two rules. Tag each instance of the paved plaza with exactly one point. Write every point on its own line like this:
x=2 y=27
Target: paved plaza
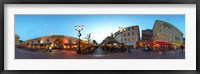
x=97 y=54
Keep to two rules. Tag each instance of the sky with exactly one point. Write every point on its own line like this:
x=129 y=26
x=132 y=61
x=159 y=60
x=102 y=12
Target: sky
x=100 y=25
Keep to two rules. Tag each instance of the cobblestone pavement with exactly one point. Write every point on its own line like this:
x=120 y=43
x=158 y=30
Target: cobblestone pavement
x=98 y=54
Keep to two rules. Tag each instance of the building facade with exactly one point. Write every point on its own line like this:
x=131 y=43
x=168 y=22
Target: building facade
x=166 y=32
x=17 y=42
x=53 y=41
x=118 y=36
x=146 y=38
x=147 y=35
x=131 y=36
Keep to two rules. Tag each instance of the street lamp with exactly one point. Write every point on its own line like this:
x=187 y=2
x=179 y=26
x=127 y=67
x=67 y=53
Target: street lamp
x=121 y=30
x=79 y=28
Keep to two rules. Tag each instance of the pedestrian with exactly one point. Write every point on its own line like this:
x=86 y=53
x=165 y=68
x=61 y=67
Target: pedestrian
x=146 y=49
x=174 y=47
x=182 y=48
x=129 y=51
x=49 y=49
x=163 y=49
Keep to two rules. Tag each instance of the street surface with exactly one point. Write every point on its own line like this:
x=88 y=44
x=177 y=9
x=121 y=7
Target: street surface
x=98 y=54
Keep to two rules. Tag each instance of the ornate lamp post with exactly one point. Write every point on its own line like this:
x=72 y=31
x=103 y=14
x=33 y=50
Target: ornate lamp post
x=79 y=28
x=121 y=30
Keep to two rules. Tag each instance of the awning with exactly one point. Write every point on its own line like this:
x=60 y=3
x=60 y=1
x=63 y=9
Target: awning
x=146 y=42
x=161 y=42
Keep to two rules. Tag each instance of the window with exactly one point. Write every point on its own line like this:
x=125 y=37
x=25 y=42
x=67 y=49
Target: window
x=38 y=41
x=124 y=39
x=128 y=28
x=132 y=28
x=128 y=34
x=133 y=38
x=128 y=39
x=31 y=41
x=133 y=33
x=124 y=34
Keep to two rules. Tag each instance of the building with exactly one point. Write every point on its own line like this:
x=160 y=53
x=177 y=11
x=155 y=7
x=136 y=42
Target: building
x=165 y=33
x=53 y=41
x=130 y=37
x=147 y=37
x=118 y=36
x=17 y=42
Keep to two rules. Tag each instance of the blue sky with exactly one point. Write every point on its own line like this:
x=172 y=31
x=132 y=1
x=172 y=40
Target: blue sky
x=100 y=26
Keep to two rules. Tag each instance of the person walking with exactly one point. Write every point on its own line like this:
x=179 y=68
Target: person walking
x=182 y=48
x=174 y=47
x=146 y=49
x=129 y=51
x=49 y=49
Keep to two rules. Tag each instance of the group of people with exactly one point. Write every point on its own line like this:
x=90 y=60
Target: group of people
x=163 y=48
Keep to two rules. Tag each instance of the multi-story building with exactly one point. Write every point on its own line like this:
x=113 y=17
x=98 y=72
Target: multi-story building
x=17 y=42
x=166 y=33
x=147 y=35
x=131 y=36
x=146 y=38
x=118 y=36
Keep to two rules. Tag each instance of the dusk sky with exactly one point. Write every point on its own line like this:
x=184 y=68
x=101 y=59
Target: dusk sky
x=100 y=26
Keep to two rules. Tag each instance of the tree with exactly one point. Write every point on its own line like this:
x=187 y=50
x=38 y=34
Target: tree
x=88 y=37
x=94 y=42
